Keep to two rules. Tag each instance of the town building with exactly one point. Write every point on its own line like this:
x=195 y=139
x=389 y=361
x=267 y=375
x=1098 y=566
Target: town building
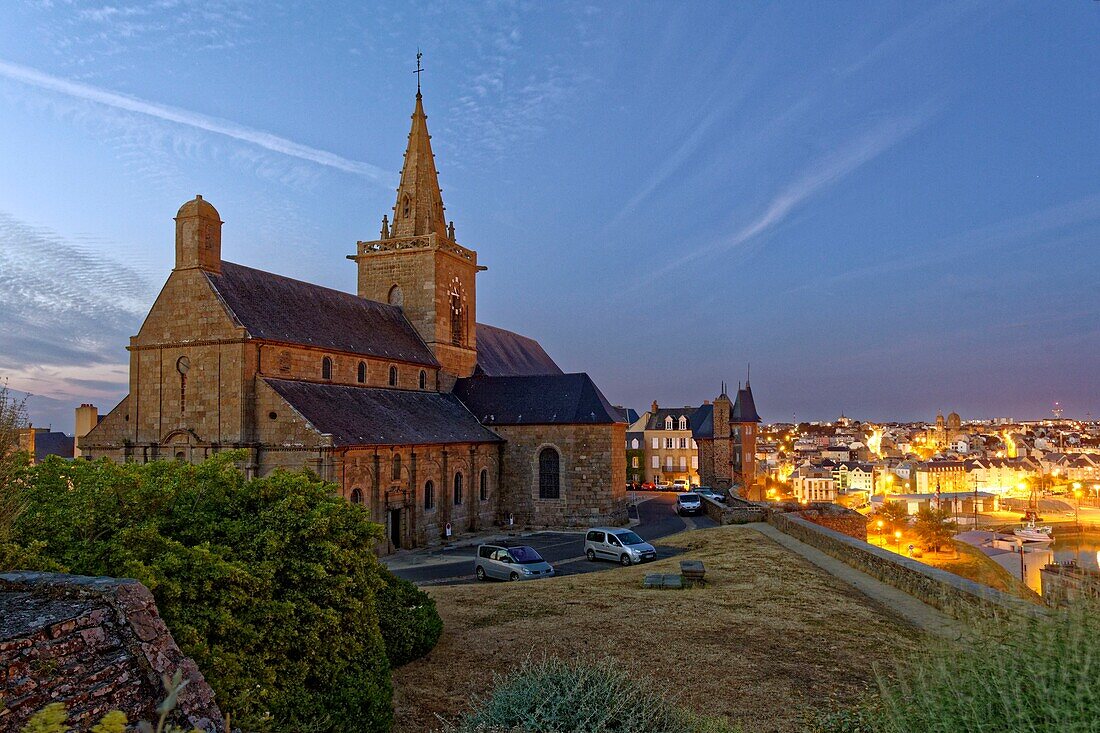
x=435 y=423
x=811 y=483
x=671 y=450
x=726 y=434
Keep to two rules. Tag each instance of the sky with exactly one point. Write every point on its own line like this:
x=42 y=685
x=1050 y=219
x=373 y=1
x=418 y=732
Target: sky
x=886 y=208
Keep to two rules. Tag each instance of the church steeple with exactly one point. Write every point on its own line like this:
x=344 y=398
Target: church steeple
x=419 y=207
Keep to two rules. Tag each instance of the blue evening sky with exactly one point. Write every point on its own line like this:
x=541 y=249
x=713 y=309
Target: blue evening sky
x=888 y=208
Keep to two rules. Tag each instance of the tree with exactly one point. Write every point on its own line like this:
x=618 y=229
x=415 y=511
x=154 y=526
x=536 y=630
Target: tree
x=13 y=418
x=934 y=527
x=895 y=515
x=270 y=584
x=13 y=463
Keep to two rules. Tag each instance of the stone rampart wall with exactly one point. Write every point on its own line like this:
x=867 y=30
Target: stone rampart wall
x=94 y=644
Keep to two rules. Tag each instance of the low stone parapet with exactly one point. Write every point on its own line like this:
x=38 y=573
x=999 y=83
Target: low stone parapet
x=954 y=595
x=96 y=645
x=736 y=511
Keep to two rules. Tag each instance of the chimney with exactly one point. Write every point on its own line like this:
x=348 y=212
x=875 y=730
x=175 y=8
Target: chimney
x=87 y=416
x=654 y=408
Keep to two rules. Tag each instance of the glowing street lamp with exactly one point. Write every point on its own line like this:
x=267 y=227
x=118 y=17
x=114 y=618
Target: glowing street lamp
x=897 y=536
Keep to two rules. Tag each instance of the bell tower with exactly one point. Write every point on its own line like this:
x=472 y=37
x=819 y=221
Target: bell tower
x=416 y=263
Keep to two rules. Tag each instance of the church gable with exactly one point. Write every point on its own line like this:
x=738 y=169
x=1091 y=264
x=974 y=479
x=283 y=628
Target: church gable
x=187 y=310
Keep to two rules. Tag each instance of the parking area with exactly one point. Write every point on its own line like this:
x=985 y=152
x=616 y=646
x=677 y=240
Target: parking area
x=564 y=550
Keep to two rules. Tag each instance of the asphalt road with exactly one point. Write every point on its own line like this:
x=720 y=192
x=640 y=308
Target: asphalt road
x=564 y=550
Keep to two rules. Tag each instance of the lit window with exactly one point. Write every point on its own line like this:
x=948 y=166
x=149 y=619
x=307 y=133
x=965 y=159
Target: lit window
x=656 y=461
x=656 y=443
x=668 y=423
x=683 y=423
x=634 y=444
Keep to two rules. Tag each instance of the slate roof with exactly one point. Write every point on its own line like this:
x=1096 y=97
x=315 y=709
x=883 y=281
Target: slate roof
x=656 y=419
x=376 y=416
x=502 y=353
x=744 y=408
x=553 y=399
x=278 y=308
x=53 y=444
x=701 y=422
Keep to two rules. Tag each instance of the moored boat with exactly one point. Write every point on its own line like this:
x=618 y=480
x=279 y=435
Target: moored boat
x=1032 y=533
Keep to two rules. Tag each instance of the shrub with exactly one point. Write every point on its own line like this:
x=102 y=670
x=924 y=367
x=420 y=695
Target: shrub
x=407 y=618
x=558 y=696
x=269 y=584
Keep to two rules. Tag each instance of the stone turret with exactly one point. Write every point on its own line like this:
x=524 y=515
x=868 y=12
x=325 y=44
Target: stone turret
x=198 y=236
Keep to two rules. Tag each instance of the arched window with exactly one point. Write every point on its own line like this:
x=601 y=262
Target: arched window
x=356 y=496
x=483 y=485
x=393 y=376
x=406 y=207
x=668 y=423
x=683 y=423
x=396 y=296
x=326 y=368
x=423 y=379
x=549 y=476
x=181 y=457
x=396 y=474
x=458 y=490
x=362 y=375
x=429 y=496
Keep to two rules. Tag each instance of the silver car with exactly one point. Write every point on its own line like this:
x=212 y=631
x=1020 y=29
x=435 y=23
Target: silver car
x=620 y=545
x=510 y=563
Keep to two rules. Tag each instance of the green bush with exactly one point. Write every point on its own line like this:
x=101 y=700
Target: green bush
x=407 y=617
x=269 y=584
x=558 y=696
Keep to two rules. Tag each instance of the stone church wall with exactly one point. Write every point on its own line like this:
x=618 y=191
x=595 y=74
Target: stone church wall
x=284 y=361
x=590 y=457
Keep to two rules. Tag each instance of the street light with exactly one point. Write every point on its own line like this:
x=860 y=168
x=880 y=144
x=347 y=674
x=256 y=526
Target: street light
x=897 y=536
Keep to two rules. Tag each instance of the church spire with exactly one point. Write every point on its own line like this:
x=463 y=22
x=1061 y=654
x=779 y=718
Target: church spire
x=419 y=208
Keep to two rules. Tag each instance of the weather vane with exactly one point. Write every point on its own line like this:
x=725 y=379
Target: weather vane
x=419 y=69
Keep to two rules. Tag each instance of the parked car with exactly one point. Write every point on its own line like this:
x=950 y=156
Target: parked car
x=622 y=545
x=664 y=486
x=709 y=493
x=649 y=486
x=510 y=563
x=679 y=485
x=689 y=503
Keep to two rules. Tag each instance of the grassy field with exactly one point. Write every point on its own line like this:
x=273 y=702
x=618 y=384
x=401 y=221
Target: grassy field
x=972 y=563
x=770 y=640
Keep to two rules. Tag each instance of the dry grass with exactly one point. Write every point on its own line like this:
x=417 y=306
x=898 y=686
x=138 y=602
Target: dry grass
x=970 y=562
x=770 y=640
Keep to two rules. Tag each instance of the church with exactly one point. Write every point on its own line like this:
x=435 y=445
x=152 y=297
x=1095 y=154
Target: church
x=437 y=424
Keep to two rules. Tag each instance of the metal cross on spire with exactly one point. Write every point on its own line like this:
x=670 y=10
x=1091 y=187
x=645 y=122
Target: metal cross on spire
x=419 y=70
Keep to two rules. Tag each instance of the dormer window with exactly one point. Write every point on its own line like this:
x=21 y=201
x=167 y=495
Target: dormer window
x=683 y=423
x=668 y=423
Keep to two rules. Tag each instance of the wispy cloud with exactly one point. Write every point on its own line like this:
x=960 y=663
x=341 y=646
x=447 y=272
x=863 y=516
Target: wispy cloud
x=813 y=179
x=1060 y=223
x=259 y=138
x=66 y=310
